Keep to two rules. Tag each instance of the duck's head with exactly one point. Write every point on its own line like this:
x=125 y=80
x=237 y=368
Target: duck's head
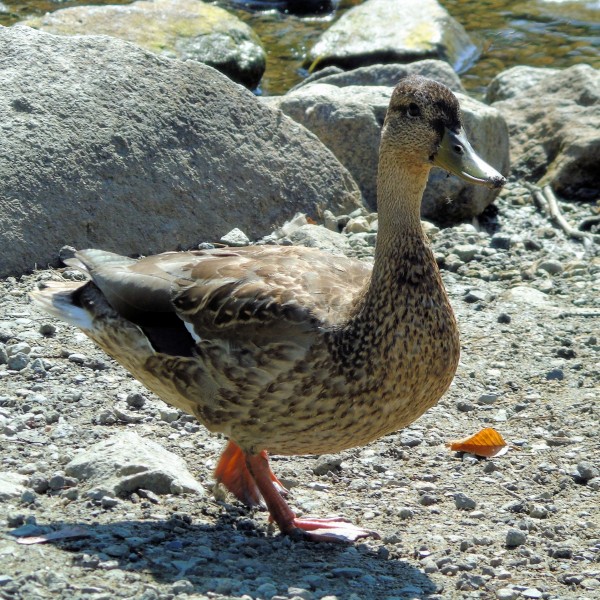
x=423 y=126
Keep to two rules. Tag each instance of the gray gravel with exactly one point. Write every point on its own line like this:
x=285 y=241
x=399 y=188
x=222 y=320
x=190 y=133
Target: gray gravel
x=523 y=525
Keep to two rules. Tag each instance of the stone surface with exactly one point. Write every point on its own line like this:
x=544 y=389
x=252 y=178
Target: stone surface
x=127 y=462
x=348 y=120
x=186 y=29
x=319 y=237
x=386 y=75
x=12 y=485
x=516 y=81
x=554 y=127
x=380 y=31
x=98 y=132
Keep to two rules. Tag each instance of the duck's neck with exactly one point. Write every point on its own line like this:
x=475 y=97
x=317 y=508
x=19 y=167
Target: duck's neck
x=401 y=248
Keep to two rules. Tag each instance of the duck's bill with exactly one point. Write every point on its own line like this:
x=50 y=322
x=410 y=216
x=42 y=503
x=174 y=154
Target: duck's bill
x=458 y=157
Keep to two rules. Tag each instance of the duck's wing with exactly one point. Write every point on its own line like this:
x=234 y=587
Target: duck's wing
x=256 y=291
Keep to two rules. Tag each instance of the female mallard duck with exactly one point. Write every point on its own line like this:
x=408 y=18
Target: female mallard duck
x=290 y=350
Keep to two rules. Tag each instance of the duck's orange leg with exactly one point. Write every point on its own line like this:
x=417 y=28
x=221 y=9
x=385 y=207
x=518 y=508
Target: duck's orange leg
x=233 y=473
x=318 y=530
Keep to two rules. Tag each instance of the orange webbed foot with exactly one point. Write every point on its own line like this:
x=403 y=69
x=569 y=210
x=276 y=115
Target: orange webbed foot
x=232 y=472
x=336 y=529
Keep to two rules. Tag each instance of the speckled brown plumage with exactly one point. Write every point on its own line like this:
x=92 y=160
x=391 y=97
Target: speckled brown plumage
x=284 y=349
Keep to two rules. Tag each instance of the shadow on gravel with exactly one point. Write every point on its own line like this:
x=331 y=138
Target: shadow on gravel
x=235 y=556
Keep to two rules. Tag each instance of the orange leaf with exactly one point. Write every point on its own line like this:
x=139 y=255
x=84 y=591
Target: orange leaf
x=487 y=442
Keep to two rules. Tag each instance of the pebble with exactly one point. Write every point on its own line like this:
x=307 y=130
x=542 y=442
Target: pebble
x=507 y=594
x=488 y=398
x=555 y=375
x=12 y=485
x=531 y=593
x=169 y=414
x=236 y=237
x=327 y=463
x=358 y=225
x=18 y=361
x=183 y=586
x=406 y=513
x=587 y=471
x=116 y=550
x=464 y=502
x=127 y=417
x=22 y=347
x=537 y=511
x=57 y=482
x=428 y=499
x=515 y=537
x=77 y=358
x=301 y=593
x=411 y=438
x=135 y=400
x=465 y=252
x=473 y=296
x=551 y=266
x=106 y=417
x=501 y=241
x=47 y=329
x=109 y=502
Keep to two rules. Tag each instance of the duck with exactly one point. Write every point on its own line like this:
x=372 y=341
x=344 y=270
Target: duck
x=290 y=350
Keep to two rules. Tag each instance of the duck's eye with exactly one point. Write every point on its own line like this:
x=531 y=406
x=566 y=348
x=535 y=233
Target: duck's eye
x=413 y=110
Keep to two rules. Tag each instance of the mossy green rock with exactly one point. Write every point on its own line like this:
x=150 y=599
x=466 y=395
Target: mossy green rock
x=384 y=31
x=187 y=29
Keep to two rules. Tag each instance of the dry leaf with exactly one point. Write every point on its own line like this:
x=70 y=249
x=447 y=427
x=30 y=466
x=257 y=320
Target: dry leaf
x=62 y=534
x=487 y=442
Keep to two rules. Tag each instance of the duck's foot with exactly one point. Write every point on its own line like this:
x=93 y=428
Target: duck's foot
x=233 y=473
x=336 y=529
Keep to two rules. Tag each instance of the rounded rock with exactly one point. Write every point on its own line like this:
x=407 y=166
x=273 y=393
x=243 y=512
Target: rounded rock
x=135 y=400
x=587 y=471
x=515 y=538
x=236 y=237
x=17 y=362
x=551 y=266
x=47 y=329
x=463 y=502
x=501 y=241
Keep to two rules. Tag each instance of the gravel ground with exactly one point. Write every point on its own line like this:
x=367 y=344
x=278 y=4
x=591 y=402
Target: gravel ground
x=523 y=525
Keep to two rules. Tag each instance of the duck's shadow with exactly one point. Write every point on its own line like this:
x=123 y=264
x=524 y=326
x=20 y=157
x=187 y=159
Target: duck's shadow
x=218 y=557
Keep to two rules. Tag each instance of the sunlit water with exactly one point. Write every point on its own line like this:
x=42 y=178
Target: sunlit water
x=541 y=33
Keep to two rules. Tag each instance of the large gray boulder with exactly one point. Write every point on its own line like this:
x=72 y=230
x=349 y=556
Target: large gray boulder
x=348 y=120
x=186 y=29
x=554 y=124
x=105 y=144
x=516 y=81
x=383 y=31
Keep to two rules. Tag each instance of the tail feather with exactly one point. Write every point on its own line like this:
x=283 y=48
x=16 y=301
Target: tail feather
x=57 y=298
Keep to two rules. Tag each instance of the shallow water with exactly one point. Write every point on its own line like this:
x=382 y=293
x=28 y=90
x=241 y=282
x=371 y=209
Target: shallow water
x=541 y=33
